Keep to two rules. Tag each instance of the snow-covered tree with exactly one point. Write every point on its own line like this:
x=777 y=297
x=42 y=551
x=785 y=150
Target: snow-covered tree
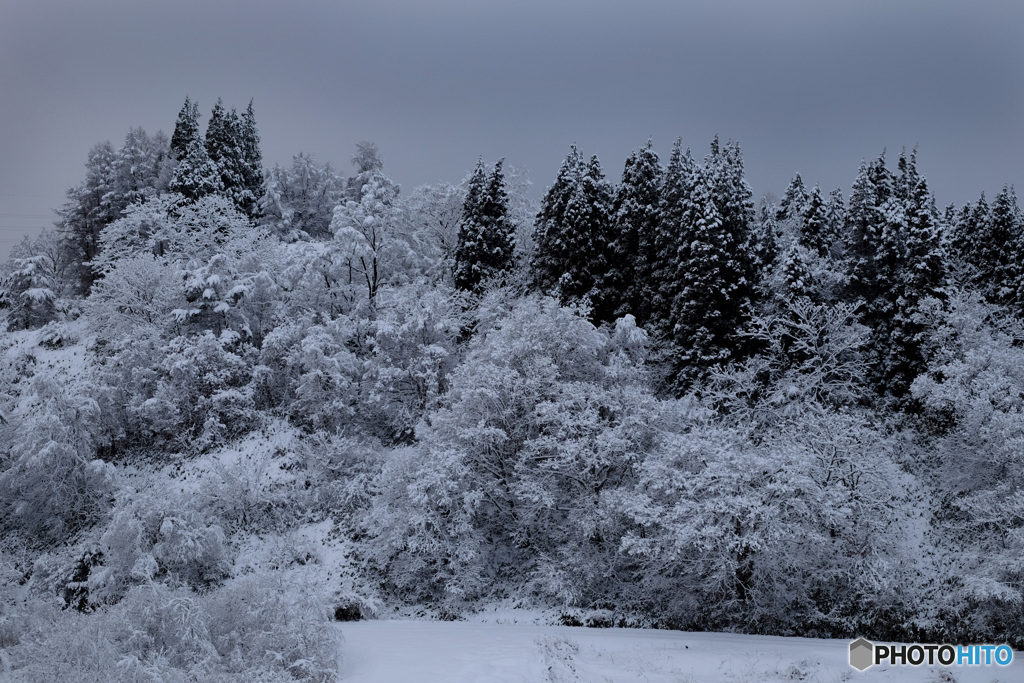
x=176 y=230
x=252 y=162
x=973 y=389
x=186 y=129
x=300 y=200
x=134 y=299
x=793 y=201
x=51 y=481
x=896 y=264
x=551 y=249
x=196 y=174
x=674 y=217
x=712 y=285
x=814 y=225
x=543 y=418
x=140 y=169
x=372 y=245
x=633 y=251
x=85 y=214
x=434 y=214
x=232 y=144
x=28 y=292
x=486 y=245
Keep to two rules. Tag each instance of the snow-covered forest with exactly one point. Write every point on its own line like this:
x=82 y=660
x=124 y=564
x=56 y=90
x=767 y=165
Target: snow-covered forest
x=239 y=403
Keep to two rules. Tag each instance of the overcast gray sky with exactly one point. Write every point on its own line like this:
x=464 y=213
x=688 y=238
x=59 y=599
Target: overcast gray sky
x=805 y=85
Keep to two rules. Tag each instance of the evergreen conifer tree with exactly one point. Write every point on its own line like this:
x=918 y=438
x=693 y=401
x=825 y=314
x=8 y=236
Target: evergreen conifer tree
x=710 y=307
x=252 y=162
x=814 y=224
x=86 y=213
x=991 y=240
x=897 y=262
x=797 y=276
x=734 y=200
x=137 y=168
x=551 y=249
x=835 y=215
x=225 y=149
x=765 y=241
x=633 y=251
x=28 y=293
x=675 y=215
x=970 y=232
x=186 y=128
x=793 y=201
x=864 y=223
x=196 y=175
x=586 y=232
x=486 y=246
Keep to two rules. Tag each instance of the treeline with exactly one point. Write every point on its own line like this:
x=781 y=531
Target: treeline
x=649 y=402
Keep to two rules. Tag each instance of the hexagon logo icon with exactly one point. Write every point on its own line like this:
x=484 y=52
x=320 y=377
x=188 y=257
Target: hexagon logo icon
x=862 y=654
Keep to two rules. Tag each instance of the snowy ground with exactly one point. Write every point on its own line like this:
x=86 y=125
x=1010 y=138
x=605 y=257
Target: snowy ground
x=461 y=652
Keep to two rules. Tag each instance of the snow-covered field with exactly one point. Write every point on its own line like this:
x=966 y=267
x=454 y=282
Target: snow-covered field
x=464 y=652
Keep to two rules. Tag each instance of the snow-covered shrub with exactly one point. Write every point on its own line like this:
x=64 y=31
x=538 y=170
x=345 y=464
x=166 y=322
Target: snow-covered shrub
x=22 y=613
x=51 y=483
x=205 y=385
x=28 y=293
x=276 y=621
x=264 y=628
x=167 y=622
x=257 y=487
x=156 y=535
x=189 y=549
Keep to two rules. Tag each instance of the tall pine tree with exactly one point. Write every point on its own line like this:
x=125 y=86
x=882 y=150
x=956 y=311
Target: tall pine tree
x=486 y=246
x=87 y=211
x=186 y=129
x=633 y=253
x=896 y=263
x=675 y=214
x=196 y=175
x=587 y=237
x=990 y=238
x=793 y=201
x=252 y=162
x=710 y=306
x=225 y=149
x=864 y=223
x=814 y=229
x=551 y=250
